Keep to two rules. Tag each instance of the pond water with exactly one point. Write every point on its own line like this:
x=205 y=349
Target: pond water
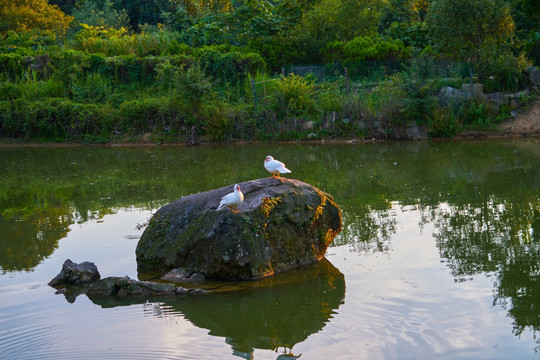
x=439 y=256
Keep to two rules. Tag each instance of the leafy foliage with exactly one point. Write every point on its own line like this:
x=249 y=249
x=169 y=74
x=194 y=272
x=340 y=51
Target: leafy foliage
x=463 y=29
x=331 y=20
x=374 y=48
x=294 y=97
x=26 y=15
x=91 y=13
x=188 y=69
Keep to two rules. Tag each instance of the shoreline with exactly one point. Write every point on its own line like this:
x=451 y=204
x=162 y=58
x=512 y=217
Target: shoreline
x=468 y=136
x=525 y=125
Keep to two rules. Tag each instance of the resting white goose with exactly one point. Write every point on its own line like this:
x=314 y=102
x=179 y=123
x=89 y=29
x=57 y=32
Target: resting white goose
x=232 y=200
x=275 y=167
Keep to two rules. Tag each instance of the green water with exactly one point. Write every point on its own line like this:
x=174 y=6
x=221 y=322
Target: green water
x=439 y=255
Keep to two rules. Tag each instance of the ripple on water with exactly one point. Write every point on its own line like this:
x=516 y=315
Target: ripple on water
x=82 y=330
x=387 y=328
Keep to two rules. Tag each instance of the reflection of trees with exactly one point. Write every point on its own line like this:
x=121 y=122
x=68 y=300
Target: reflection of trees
x=27 y=239
x=499 y=236
x=366 y=229
x=482 y=196
x=46 y=190
x=278 y=312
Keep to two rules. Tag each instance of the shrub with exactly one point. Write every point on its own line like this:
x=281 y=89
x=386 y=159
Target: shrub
x=193 y=86
x=443 y=124
x=164 y=114
x=12 y=66
x=374 y=48
x=165 y=74
x=9 y=91
x=228 y=65
x=418 y=90
x=294 y=97
x=93 y=89
x=57 y=119
x=218 y=122
x=506 y=72
x=475 y=114
x=334 y=52
x=276 y=50
x=140 y=116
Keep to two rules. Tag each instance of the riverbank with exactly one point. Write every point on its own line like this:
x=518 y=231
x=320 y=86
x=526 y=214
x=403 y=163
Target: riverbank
x=526 y=123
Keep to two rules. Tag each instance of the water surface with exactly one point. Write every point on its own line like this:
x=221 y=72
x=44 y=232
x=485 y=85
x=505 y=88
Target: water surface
x=439 y=255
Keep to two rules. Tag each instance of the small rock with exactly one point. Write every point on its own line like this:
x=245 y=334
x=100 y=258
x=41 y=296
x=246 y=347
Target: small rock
x=308 y=125
x=73 y=273
x=198 y=292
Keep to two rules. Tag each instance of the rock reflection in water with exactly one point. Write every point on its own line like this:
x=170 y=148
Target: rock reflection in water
x=270 y=314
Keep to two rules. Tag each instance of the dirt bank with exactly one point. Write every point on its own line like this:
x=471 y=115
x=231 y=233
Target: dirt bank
x=527 y=121
x=525 y=124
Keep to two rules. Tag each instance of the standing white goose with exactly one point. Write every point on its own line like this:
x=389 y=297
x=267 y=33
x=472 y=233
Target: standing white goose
x=232 y=200
x=275 y=167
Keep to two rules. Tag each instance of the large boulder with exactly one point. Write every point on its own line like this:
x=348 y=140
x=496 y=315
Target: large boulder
x=451 y=96
x=534 y=76
x=282 y=224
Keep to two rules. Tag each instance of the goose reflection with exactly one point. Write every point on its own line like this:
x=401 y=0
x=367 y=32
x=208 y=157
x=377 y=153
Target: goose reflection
x=271 y=314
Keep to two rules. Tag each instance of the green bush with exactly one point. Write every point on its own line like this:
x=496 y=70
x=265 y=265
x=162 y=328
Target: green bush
x=329 y=98
x=506 y=72
x=12 y=66
x=418 y=86
x=228 y=65
x=57 y=119
x=443 y=124
x=374 y=48
x=164 y=114
x=294 y=97
x=334 y=52
x=219 y=122
x=276 y=51
x=113 y=42
x=33 y=89
x=476 y=115
x=91 y=89
x=165 y=74
x=140 y=116
x=193 y=86
x=9 y=91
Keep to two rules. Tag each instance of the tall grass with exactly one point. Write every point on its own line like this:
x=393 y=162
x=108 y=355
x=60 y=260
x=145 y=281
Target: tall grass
x=115 y=43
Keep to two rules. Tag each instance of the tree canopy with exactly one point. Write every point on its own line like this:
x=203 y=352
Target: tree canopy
x=25 y=15
x=461 y=28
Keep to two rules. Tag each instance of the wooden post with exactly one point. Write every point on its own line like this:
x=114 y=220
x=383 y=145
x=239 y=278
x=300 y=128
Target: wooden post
x=283 y=71
x=254 y=94
x=471 y=80
x=346 y=80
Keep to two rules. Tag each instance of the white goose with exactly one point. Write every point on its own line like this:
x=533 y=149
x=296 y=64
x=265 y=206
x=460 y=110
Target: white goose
x=275 y=167
x=232 y=200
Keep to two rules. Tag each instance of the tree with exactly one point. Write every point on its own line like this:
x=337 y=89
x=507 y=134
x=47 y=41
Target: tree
x=196 y=7
x=331 y=20
x=26 y=15
x=145 y=12
x=91 y=13
x=398 y=11
x=464 y=29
